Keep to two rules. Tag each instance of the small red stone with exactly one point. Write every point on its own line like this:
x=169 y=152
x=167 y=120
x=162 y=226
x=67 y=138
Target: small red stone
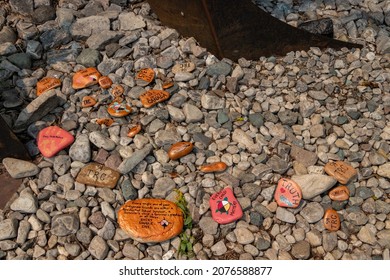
x=53 y=139
x=288 y=193
x=225 y=207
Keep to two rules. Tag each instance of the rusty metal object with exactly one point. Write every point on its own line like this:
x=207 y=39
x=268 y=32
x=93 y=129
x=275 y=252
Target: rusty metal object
x=10 y=146
x=234 y=29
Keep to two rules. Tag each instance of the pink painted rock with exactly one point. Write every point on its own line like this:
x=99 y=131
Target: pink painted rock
x=225 y=207
x=53 y=139
x=288 y=193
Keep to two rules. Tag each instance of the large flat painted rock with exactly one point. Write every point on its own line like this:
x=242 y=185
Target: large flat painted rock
x=150 y=220
x=341 y=171
x=225 y=207
x=53 y=139
x=98 y=175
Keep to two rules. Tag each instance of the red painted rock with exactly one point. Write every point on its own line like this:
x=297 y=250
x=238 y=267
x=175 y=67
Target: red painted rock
x=288 y=193
x=53 y=139
x=117 y=109
x=151 y=220
x=225 y=207
x=331 y=220
x=85 y=78
x=213 y=167
x=341 y=171
x=180 y=149
x=183 y=67
x=105 y=82
x=98 y=175
x=152 y=97
x=144 y=77
x=339 y=193
x=117 y=91
x=105 y=121
x=134 y=131
x=88 y=101
x=46 y=84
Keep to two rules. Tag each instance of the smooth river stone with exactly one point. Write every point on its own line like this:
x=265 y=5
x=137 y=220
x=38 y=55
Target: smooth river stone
x=313 y=184
x=117 y=91
x=331 y=220
x=152 y=97
x=225 y=207
x=213 y=167
x=105 y=82
x=183 y=67
x=53 y=139
x=180 y=149
x=85 y=78
x=288 y=193
x=341 y=171
x=98 y=175
x=46 y=84
x=88 y=101
x=144 y=77
x=339 y=193
x=134 y=131
x=117 y=109
x=151 y=220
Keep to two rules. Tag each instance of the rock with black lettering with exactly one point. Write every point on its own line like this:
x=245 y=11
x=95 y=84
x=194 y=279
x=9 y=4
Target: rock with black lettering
x=153 y=96
x=98 y=175
x=225 y=207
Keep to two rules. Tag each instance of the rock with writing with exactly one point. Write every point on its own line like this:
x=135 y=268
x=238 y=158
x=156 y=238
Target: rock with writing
x=180 y=149
x=85 y=78
x=88 y=101
x=288 y=193
x=225 y=207
x=339 y=193
x=150 y=220
x=46 y=84
x=341 y=171
x=152 y=97
x=105 y=82
x=53 y=139
x=134 y=131
x=213 y=167
x=331 y=220
x=98 y=175
x=144 y=77
x=117 y=91
x=106 y=121
x=117 y=109
x=183 y=67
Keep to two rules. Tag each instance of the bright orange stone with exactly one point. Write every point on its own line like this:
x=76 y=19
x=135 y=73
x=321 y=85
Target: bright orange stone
x=339 y=193
x=85 y=78
x=168 y=84
x=341 y=171
x=105 y=121
x=118 y=109
x=46 y=84
x=144 y=76
x=180 y=149
x=288 y=193
x=105 y=82
x=331 y=220
x=134 y=131
x=213 y=167
x=117 y=91
x=53 y=139
x=152 y=97
x=88 y=101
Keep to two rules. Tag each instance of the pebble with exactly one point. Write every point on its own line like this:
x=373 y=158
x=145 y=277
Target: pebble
x=8 y=229
x=301 y=250
x=64 y=224
x=285 y=215
x=341 y=171
x=312 y=212
x=244 y=236
x=98 y=248
x=25 y=203
x=313 y=184
x=101 y=141
x=81 y=149
x=20 y=168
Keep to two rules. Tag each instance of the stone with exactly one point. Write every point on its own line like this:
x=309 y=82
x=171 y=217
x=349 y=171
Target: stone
x=301 y=250
x=219 y=248
x=152 y=97
x=81 y=149
x=89 y=57
x=47 y=84
x=99 y=41
x=88 y=101
x=134 y=131
x=130 y=163
x=219 y=68
x=285 y=216
x=213 y=167
x=192 y=113
x=322 y=26
x=331 y=220
x=341 y=171
x=303 y=156
x=61 y=164
x=144 y=77
x=101 y=141
x=25 y=203
x=105 y=121
x=367 y=234
x=339 y=193
x=20 y=168
x=183 y=67
x=43 y=14
x=288 y=193
x=384 y=170
x=184 y=77
x=64 y=224
x=7 y=48
x=23 y=7
x=244 y=236
x=150 y=220
x=53 y=139
x=313 y=184
x=98 y=175
x=312 y=212
x=179 y=150
x=98 y=248
x=211 y=101
x=85 y=78
x=117 y=91
x=83 y=28
x=162 y=187
x=105 y=82
x=8 y=229
x=117 y=109
x=224 y=207
x=130 y=21
x=7 y=35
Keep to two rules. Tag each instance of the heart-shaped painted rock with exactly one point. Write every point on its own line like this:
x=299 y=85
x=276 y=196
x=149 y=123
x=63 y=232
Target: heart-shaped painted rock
x=151 y=220
x=339 y=193
x=88 y=101
x=180 y=149
x=134 y=131
x=183 y=67
x=117 y=109
x=225 y=207
x=213 y=167
x=53 y=139
x=85 y=78
x=331 y=220
x=117 y=91
x=46 y=84
x=144 y=77
x=105 y=121
x=341 y=171
x=98 y=175
x=105 y=82
x=288 y=193
x=152 y=97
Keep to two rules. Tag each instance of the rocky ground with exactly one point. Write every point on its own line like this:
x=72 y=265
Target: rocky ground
x=256 y=116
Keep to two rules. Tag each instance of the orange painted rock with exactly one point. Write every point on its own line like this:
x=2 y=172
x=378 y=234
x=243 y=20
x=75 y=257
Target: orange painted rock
x=88 y=101
x=53 y=139
x=85 y=78
x=150 y=220
x=117 y=109
x=98 y=175
x=168 y=84
x=331 y=220
x=117 y=91
x=288 y=193
x=213 y=167
x=180 y=149
x=152 y=97
x=341 y=171
x=105 y=82
x=134 y=131
x=339 y=193
x=183 y=67
x=105 y=121
x=46 y=84
x=225 y=207
x=144 y=77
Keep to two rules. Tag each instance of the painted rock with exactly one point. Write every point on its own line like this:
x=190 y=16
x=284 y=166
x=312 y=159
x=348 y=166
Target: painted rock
x=213 y=167
x=53 y=139
x=46 y=84
x=88 y=101
x=341 y=171
x=339 y=193
x=144 y=77
x=105 y=121
x=180 y=149
x=105 y=82
x=288 y=193
x=85 y=78
x=98 y=175
x=152 y=97
x=150 y=220
x=331 y=220
x=117 y=109
x=183 y=67
x=134 y=131
x=225 y=207
x=168 y=84
x=117 y=91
